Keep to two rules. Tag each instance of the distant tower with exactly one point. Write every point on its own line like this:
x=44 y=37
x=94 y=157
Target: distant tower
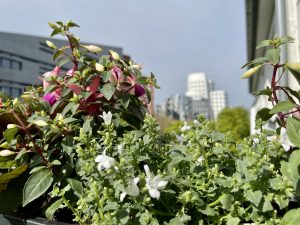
x=198 y=88
x=218 y=101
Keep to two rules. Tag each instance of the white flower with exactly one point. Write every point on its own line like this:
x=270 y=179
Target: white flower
x=120 y=148
x=200 y=159
x=107 y=118
x=196 y=123
x=154 y=184
x=284 y=139
x=185 y=127
x=132 y=189
x=105 y=162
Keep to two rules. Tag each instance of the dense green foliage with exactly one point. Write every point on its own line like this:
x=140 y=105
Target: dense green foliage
x=83 y=145
x=235 y=121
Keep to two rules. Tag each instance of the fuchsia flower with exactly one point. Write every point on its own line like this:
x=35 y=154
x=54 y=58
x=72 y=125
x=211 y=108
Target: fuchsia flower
x=136 y=89
x=52 y=73
x=89 y=105
x=51 y=97
x=116 y=76
x=70 y=72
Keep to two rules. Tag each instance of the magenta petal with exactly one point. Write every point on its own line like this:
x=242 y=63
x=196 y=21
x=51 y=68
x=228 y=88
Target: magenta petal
x=50 y=98
x=139 y=90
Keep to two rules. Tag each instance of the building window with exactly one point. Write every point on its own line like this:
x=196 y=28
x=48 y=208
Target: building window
x=10 y=63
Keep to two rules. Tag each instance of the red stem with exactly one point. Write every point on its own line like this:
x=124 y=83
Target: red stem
x=275 y=98
x=37 y=148
x=74 y=60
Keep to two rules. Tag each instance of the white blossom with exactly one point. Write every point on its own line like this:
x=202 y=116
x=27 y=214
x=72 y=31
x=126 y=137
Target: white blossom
x=185 y=127
x=107 y=118
x=284 y=139
x=105 y=162
x=120 y=148
x=154 y=184
x=200 y=159
x=196 y=123
x=132 y=189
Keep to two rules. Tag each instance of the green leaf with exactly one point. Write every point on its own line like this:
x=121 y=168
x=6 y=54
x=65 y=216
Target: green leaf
x=227 y=201
x=292 y=217
x=257 y=61
x=263 y=114
x=233 y=220
x=264 y=43
x=36 y=185
x=108 y=90
x=67 y=144
x=63 y=61
x=53 y=26
x=254 y=197
x=6 y=177
x=87 y=125
x=286 y=39
x=293 y=131
x=267 y=91
x=9 y=134
x=50 y=88
x=58 y=204
x=274 y=55
x=282 y=107
x=76 y=186
x=290 y=169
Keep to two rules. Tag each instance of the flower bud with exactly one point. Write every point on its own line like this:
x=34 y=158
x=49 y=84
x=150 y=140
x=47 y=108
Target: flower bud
x=93 y=48
x=9 y=126
x=54 y=72
x=137 y=66
x=251 y=72
x=50 y=44
x=116 y=75
x=114 y=55
x=295 y=66
x=26 y=98
x=99 y=67
x=6 y=153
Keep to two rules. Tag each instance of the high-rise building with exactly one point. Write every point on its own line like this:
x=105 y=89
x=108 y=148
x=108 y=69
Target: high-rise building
x=218 y=101
x=23 y=58
x=200 y=99
x=198 y=89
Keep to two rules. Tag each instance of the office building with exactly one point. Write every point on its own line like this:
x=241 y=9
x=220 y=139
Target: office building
x=23 y=58
x=218 y=101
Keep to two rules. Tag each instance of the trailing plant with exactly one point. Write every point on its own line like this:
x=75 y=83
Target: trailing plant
x=39 y=127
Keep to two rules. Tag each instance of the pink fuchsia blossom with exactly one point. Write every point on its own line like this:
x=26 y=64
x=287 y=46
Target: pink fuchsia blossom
x=90 y=104
x=52 y=73
x=70 y=72
x=116 y=76
x=136 y=89
x=50 y=98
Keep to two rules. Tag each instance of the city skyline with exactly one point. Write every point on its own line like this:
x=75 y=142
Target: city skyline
x=170 y=38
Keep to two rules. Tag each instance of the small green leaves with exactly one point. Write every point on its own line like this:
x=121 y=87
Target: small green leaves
x=40 y=123
x=36 y=185
x=108 y=90
x=58 y=204
x=251 y=72
x=264 y=43
x=274 y=55
x=293 y=131
x=9 y=134
x=254 y=197
x=282 y=107
x=292 y=217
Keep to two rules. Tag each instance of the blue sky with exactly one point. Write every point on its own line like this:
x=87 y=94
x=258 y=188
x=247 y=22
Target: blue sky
x=171 y=38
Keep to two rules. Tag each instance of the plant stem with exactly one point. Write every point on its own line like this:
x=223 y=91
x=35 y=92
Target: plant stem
x=37 y=148
x=275 y=98
x=74 y=60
